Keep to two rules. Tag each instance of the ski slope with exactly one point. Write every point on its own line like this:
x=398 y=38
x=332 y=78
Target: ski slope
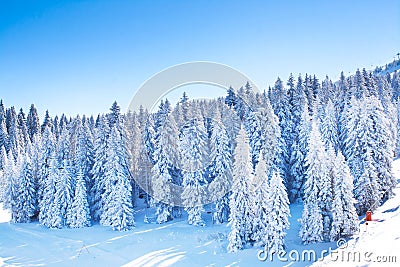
x=178 y=244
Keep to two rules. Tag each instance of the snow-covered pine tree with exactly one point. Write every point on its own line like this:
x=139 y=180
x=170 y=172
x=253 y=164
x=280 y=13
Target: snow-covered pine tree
x=262 y=208
x=166 y=154
x=9 y=183
x=117 y=210
x=314 y=195
x=64 y=146
x=3 y=135
x=14 y=188
x=367 y=152
x=366 y=188
x=25 y=191
x=241 y=200
x=79 y=215
x=231 y=122
x=98 y=171
x=23 y=134
x=382 y=147
x=280 y=103
x=279 y=213
x=298 y=158
x=263 y=129
x=64 y=194
x=311 y=230
x=192 y=144
x=326 y=192
x=329 y=126
x=84 y=154
x=47 y=122
x=297 y=104
x=3 y=156
x=49 y=212
x=221 y=170
x=3 y=173
x=47 y=151
x=360 y=85
x=13 y=144
x=134 y=144
x=231 y=99
x=345 y=219
x=32 y=122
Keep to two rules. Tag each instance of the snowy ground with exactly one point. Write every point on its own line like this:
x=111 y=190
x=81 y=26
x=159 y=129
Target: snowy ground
x=179 y=244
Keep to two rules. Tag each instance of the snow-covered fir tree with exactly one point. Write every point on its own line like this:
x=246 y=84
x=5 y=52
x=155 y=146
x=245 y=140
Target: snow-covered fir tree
x=315 y=209
x=49 y=214
x=262 y=208
x=63 y=194
x=192 y=146
x=298 y=158
x=98 y=171
x=117 y=210
x=166 y=154
x=263 y=129
x=345 y=219
x=221 y=169
x=329 y=126
x=79 y=215
x=241 y=200
x=25 y=190
x=279 y=213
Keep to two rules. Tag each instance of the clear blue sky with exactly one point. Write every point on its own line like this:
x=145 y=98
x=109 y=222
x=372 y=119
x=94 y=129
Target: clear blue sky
x=80 y=56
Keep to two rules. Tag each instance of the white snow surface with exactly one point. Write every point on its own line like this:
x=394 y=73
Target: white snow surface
x=5 y=216
x=178 y=244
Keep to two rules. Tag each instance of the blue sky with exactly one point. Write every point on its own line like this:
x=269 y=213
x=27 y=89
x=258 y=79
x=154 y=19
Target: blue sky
x=80 y=56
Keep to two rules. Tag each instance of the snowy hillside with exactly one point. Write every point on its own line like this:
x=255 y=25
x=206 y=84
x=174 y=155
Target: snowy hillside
x=177 y=243
x=388 y=68
x=378 y=243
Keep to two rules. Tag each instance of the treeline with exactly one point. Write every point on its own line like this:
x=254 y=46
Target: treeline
x=328 y=144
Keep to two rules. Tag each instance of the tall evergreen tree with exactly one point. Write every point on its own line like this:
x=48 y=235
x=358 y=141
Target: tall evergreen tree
x=117 y=200
x=47 y=122
x=345 y=219
x=49 y=214
x=193 y=148
x=329 y=126
x=32 y=122
x=262 y=208
x=63 y=194
x=79 y=213
x=221 y=169
x=166 y=154
x=98 y=171
x=279 y=213
x=315 y=211
x=241 y=200
x=298 y=158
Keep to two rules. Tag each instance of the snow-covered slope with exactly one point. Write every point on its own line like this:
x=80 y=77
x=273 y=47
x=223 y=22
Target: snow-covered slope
x=389 y=68
x=377 y=243
x=178 y=244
